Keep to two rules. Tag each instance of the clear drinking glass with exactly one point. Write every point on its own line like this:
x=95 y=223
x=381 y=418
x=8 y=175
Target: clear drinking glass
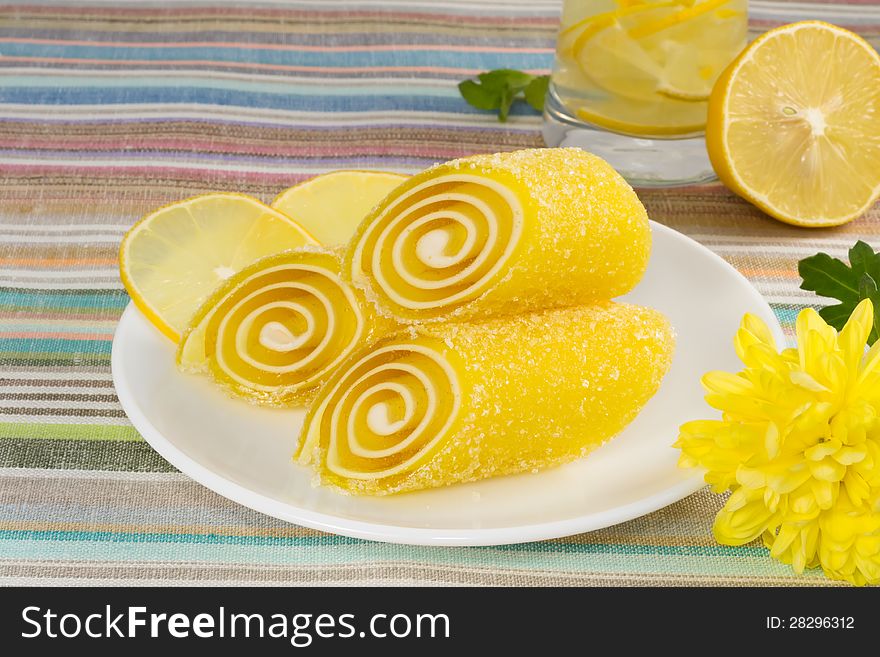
x=632 y=80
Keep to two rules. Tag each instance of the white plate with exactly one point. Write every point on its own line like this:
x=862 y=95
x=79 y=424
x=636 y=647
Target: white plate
x=244 y=453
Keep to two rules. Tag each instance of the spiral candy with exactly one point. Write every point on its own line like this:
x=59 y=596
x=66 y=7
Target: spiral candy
x=503 y=233
x=451 y=402
x=277 y=329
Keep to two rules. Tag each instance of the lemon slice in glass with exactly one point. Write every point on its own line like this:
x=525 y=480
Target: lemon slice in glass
x=650 y=118
x=649 y=52
x=607 y=54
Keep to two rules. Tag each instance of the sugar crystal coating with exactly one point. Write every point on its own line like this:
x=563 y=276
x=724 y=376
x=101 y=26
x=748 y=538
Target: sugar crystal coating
x=469 y=400
x=502 y=233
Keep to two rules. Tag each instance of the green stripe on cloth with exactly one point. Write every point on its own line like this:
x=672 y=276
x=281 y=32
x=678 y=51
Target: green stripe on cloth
x=81 y=455
x=69 y=431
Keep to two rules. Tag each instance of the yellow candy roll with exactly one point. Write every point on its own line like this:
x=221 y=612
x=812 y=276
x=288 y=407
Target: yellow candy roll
x=277 y=329
x=453 y=402
x=501 y=233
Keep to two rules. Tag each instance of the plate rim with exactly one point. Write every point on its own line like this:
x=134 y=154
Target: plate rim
x=389 y=533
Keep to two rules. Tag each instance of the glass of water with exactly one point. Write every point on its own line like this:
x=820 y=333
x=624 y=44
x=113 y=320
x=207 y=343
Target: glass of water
x=632 y=78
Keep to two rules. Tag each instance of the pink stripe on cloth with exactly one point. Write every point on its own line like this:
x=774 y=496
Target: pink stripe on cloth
x=275 y=46
x=253 y=66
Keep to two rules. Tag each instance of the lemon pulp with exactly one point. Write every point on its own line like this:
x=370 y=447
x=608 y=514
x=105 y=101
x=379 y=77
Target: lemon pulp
x=794 y=124
x=646 y=67
x=331 y=206
x=172 y=259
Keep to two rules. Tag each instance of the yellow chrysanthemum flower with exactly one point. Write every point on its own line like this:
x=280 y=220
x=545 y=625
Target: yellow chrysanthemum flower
x=798 y=446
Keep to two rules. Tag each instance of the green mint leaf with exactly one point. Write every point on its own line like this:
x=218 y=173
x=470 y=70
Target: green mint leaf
x=505 y=79
x=479 y=96
x=507 y=97
x=829 y=277
x=537 y=91
x=499 y=89
x=849 y=284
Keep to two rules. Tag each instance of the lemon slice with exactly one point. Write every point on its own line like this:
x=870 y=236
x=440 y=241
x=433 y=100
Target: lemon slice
x=658 y=118
x=794 y=124
x=697 y=48
x=172 y=259
x=331 y=206
x=691 y=71
x=647 y=28
x=669 y=49
x=608 y=55
x=592 y=24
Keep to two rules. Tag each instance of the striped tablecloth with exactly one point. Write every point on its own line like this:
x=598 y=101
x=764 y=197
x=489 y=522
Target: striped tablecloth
x=110 y=109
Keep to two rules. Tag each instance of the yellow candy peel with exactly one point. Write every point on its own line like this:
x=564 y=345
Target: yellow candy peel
x=273 y=332
x=504 y=233
x=453 y=402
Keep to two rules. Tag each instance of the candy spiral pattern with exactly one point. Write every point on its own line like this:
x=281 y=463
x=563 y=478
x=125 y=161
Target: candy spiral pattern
x=447 y=238
x=277 y=329
x=387 y=412
x=501 y=233
x=459 y=401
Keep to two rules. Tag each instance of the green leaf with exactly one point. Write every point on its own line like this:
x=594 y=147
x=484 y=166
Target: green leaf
x=836 y=315
x=499 y=89
x=479 y=96
x=849 y=284
x=537 y=91
x=507 y=97
x=505 y=78
x=864 y=260
x=868 y=290
x=867 y=286
x=829 y=277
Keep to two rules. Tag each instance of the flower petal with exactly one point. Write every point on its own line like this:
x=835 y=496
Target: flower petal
x=821 y=450
x=750 y=477
x=807 y=382
x=827 y=470
x=849 y=455
x=825 y=492
x=727 y=383
x=814 y=336
x=788 y=532
x=758 y=328
x=804 y=504
x=856 y=488
x=854 y=336
x=871 y=363
x=742 y=519
x=772 y=440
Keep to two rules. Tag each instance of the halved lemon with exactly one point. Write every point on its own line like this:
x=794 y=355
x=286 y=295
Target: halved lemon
x=172 y=259
x=331 y=206
x=794 y=124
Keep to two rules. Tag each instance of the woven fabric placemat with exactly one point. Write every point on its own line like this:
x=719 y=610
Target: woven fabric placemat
x=112 y=109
